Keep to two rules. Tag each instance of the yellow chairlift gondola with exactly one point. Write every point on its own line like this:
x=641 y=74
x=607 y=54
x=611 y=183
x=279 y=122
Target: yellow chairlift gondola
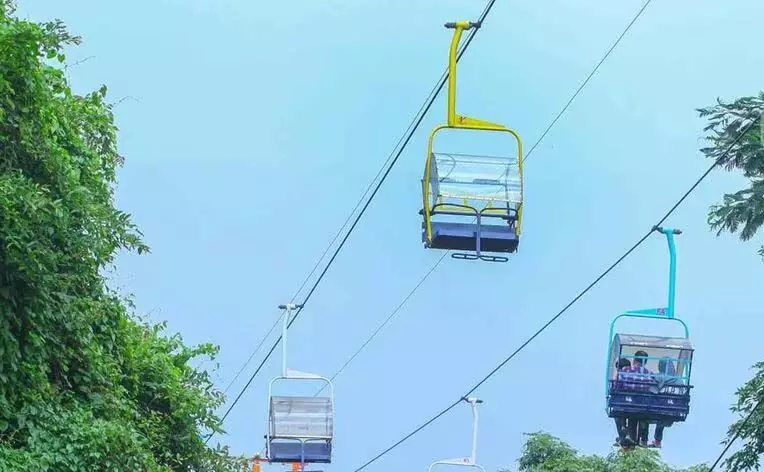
x=461 y=190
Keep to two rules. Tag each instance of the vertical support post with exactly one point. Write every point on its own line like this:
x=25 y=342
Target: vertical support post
x=284 y=326
x=458 y=27
x=670 y=232
x=474 y=432
x=672 y=274
x=474 y=403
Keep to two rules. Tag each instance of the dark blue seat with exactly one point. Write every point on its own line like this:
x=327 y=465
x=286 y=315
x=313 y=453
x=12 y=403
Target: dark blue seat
x=645 y=405
x=284 y=450
x=463 y=236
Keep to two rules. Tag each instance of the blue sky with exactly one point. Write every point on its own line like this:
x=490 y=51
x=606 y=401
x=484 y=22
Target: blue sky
x=254 y=128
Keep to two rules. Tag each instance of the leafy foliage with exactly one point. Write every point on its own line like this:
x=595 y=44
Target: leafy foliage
x=752 y=431
x=736 y=137
x=545 y=453
x=84 y=386
x=739 y=128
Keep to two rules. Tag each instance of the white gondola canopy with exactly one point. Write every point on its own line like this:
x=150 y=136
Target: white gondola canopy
x=301 y=417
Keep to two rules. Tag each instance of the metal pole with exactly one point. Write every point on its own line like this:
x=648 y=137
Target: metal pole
x=474 y=403
x=672 y=274
x=458 y=27
x=284 y=326
x=670 y=232
x=474 y=432
x=284 y=340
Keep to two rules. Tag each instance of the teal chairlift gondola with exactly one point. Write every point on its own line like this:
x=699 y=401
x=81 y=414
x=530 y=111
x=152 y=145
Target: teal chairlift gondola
x=664 y=395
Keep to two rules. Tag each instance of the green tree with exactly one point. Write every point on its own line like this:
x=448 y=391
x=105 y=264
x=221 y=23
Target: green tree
x=736 y=138
x=750 y=428
x=543 y=452
x=84 y=385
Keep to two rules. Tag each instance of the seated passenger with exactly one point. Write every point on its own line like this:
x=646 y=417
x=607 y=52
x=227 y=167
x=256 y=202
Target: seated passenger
x=666 y=375
x=637 y=376
x=624 y=438
x=620 y=367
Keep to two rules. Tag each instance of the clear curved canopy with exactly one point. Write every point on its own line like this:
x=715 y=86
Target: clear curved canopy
x=676 y=351
x=477 y=181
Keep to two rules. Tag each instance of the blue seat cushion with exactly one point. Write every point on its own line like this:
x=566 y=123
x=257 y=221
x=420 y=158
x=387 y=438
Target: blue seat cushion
x=292 y=451
x=462 y=236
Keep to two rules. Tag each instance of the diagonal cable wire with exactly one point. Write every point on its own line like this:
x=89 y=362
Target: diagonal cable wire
x=527 y=155
x=386 y=321
x=510 y=357
x=589 y=77
x=737 y=434
x=360 y=201
x=251 y=356
x=705 y=174
x=392 y=162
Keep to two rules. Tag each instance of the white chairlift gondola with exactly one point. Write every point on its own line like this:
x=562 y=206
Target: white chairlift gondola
x=300 y=428
x=469 y=462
